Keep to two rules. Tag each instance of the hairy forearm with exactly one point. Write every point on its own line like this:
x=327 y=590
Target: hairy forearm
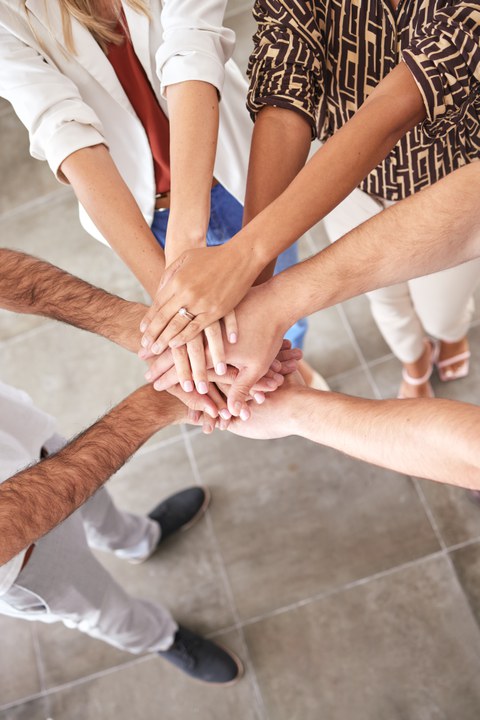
x=38 y=498
x=193 y=113
x=279 y=149
x=103 y=193
x=29 y=285
x=430 y=231
x=337 y=168
x=407 y=436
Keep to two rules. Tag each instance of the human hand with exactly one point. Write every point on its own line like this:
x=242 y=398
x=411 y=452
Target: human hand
x=208 y=282
x=263 y=320
x=276 y=417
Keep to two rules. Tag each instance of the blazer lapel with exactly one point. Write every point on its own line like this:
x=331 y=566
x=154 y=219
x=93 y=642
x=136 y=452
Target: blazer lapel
x=88 y=53
x=138 y=25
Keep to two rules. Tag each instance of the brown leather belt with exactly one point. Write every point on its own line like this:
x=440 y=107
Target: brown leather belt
x=162 y=200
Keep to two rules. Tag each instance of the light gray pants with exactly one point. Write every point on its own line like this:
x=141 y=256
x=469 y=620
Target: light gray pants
x=64 y=582
x=440 y=304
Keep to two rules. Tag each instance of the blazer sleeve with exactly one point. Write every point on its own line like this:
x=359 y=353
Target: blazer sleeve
x=47 y=103
x=286 y=65
x=444 y=59
x=195 y=44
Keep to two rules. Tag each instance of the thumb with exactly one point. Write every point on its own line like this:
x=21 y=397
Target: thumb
x=240 y=391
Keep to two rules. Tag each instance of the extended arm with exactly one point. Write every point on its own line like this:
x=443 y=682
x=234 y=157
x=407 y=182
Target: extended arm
x=430 y=231
x=103 y=193
x=35 y=500
x=30 y=285
x=382 y=432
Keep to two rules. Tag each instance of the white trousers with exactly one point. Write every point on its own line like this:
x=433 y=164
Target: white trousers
x=440 y=305
x=64 y=582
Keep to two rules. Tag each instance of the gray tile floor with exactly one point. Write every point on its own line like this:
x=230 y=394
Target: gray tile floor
x=349 y=591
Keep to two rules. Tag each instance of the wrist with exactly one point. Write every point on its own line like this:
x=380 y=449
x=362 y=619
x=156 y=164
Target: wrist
x=158 y=409
x=129 y=334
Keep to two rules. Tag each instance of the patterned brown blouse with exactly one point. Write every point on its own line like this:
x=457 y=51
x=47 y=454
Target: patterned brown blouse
x=322 y=58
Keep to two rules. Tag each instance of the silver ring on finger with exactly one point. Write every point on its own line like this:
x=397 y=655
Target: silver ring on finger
x=185 y=314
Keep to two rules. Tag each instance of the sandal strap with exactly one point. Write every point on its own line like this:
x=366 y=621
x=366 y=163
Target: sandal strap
x=417 y=381
x=434 y=349
x=452 y=360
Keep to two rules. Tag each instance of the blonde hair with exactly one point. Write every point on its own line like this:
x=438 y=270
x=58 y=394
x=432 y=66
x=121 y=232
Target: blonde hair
x=89 y=14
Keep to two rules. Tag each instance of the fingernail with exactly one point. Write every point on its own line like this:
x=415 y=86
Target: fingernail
x=237 y=407
x=271 y=383
x=232 y=337
x=143 y=326
x=188 y=386
x=157 y=386
x=148 y=375
x=259 y=397
x=276 y=365
x=291 y=365
x=156 y=349
x=225 y=414
x=145 y=341
x=278 y=377
x=202 y=388
x=244 y=414
x=221 y=369
x=142 y=354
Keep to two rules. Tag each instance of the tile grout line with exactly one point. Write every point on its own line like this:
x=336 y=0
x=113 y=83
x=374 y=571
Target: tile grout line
x=75 y=683
x=363 y=363
x=352 y=585
x=250 y=621
x=227 y=586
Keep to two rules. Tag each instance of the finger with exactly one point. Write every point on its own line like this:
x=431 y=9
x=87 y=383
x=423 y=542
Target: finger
x=196 y=355
x=240 y=391
x=182 y=366
x=189 y=332
x=159 y=365
x=231 y=327
x=159 y=318
x=162 y=296
x=289 y=354
x=213 y=333
x=208 y=424
x=220 y=401
x=166 y=381
x=160 y=341
x=259 y=397
x=195 y=401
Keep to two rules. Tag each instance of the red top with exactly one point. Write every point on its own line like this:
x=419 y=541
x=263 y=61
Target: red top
x=137 y=87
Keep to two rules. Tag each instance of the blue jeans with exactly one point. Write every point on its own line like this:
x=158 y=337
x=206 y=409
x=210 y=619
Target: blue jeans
x=225 y=221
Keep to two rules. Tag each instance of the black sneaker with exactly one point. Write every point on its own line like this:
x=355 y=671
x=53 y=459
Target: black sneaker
x=203 y=659
x=180 y=511
x=177 y=512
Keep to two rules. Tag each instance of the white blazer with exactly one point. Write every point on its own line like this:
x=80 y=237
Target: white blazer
x=68 y=102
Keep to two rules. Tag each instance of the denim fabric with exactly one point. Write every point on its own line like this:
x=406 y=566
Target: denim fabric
x=225 y=221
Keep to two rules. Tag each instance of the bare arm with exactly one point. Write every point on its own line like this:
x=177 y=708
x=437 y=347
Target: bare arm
x=382 y=432
x=193 y=112
x=30 y=285
x=430 y=231
x=280 y=145
x=35 y=500
x=103 y=193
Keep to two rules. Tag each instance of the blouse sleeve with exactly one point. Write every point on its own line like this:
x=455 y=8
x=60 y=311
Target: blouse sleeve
x=286 y=65
x=444 y=59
